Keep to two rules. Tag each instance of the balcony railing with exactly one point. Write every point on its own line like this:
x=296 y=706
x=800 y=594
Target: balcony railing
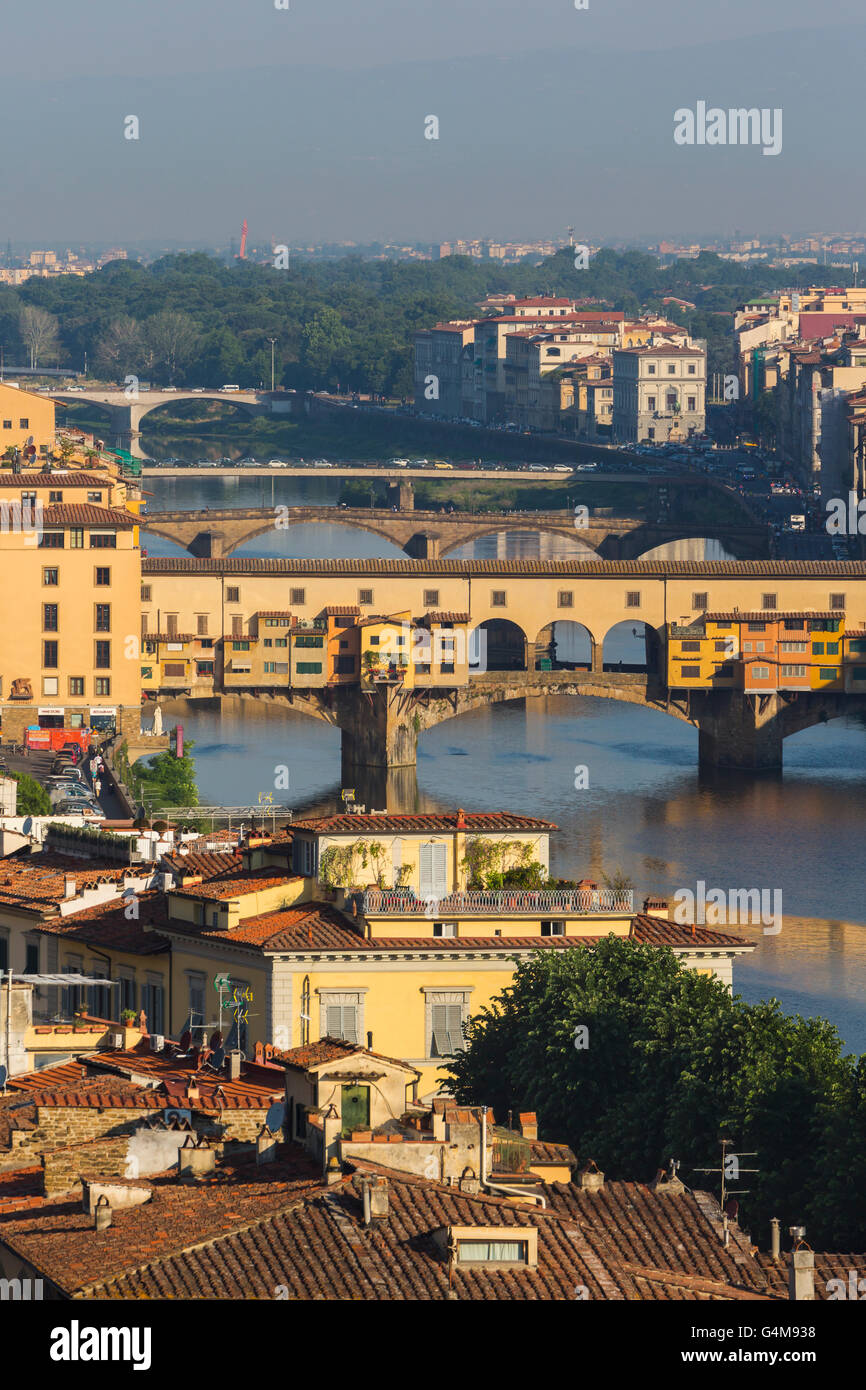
x=501 y=902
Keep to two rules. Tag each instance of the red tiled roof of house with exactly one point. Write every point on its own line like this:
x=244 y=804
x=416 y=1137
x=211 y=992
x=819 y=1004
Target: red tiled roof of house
x=87 y=514
x=476 y=822
x=330 y=1050
x=444 y=617
x=774 y=616
x=108 y=925
x=203 y=864
x=235 y=882
x=38 y=881
x=42 y=478
x=318 y=1247
x=541 y=1153
x=341 y=610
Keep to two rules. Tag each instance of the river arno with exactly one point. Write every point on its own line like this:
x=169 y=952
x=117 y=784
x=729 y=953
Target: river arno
x=645 y=810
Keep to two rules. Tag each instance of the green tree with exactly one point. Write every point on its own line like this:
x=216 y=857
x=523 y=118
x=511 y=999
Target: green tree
x=31 y=799
x=669 y=1064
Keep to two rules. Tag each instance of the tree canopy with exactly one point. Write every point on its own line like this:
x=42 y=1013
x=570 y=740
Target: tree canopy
x=669 y=1064
x=192 y=320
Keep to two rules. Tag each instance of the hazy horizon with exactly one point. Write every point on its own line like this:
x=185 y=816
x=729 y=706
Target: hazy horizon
x=309 y=121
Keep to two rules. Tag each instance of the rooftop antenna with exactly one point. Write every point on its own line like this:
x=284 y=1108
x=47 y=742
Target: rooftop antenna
x=730 y=1169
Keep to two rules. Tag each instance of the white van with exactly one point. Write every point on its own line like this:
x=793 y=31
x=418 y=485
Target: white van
x=230 y=388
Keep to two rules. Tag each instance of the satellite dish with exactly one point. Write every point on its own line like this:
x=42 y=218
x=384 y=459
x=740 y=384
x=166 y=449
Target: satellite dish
x=28 y=825
x=218 y=1058
x=216 y=1040
x=276 y=1117
x=185 y=1040
x=3 y=1075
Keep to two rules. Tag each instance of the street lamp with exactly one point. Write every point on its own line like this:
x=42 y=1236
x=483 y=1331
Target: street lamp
x=272 y=341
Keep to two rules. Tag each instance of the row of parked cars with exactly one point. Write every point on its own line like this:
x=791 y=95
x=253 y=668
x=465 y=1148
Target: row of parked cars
x=67 y=787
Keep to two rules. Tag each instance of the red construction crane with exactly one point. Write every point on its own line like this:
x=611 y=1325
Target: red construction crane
x=242 y=254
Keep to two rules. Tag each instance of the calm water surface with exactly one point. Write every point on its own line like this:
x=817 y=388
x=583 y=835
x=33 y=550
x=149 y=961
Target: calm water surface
x=645 y=811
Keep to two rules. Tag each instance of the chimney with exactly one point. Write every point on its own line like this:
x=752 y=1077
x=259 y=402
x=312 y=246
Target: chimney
x=233 y=1065
x=195 y=1160
x=266 y=1146
x=528 y=1124
x=69 y=887
x=801 y=1268
x=103 y=1214
x=379 y=1197
x=591 y=1178
x=775 y=1238
x=461 y=819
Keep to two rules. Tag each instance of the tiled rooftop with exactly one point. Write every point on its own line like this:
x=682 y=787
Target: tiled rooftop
x=475 y=822
x=625 y=1243
x=85 y=514
x=107 y=925
x=628 y=569
x=233 y=882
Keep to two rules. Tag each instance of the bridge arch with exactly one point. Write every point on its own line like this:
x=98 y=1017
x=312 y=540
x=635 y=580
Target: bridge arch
x=504 y=527
x=683 y=548
x=140 y=410
x=632 y=645
x=501 y=644
x=568 y=646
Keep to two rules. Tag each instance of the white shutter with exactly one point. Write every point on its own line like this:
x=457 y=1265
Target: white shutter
x=396 y=860
x=425 y=871
x=440 y=870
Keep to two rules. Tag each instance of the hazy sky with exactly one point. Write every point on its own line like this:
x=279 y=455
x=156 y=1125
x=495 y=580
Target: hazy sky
x=310 y=121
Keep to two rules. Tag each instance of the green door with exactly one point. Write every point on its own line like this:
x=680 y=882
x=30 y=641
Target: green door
x=356 y=1108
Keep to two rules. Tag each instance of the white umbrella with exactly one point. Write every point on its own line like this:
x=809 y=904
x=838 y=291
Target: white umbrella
x=157 y=721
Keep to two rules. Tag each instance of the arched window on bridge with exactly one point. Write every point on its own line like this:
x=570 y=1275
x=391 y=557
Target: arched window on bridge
x=631 y=645
x=565 y=645
x=502 y=645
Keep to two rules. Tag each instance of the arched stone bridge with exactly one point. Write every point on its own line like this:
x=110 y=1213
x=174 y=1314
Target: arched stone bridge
x=211 y=533
x=126 y=411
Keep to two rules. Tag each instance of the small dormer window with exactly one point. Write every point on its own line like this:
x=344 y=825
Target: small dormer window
x=486 y=1252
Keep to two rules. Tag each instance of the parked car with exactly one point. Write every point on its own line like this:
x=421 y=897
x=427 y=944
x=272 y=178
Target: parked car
x=77 y=807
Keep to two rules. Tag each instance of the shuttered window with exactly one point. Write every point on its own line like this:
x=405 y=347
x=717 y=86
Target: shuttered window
x=342 y=1021
x=433 y=881
x=447 y=1030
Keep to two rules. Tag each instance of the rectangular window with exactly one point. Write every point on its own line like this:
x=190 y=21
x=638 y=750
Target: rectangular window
x=153 y=1003
x=431 y=598
x=565 y=598
x=126 y=992
x=444 y=928
x=237 y=625
x=632 y=598
x=651 y=402
x=103 y=617
x=858 y=645
x=692 y=646
x=52 y=540
x=447 y=1030
x=700 y=600
x=233 y=594
x=196 y=992
x=76 y=685
x=50 y=685
x=760 y=673
x=102 y=685
x=102 y=655
x=298 y=596
x=103 y=576
x=817 y=648
x=341 y=1021
x=691 y=403
x=204 y=668
x=672 y=368
x=829 y=673
x=497 y=598
x=651 y=369
x=791 y=671
x=174 y=668
x=837 y=600
x=49 y=617
x=690 y=672
x=793 y=646
x=307 y=639
x=722 y=644
x=146 y=593
x=50 y=576
x=103 y=540
x=768 y=601
x=171 y=624
x=365 y=597
x=692 y=369
x=240 y=646
x=553 y=929
x=832 y=648
x=201 y=624
x=757 y=627
x=859 y=673
x=794 y=624
x=49 y=654
x=24 y=423
x=309 y=668
x=344 y=666
x=55 y=497
x=31 y=958
x=94 y=497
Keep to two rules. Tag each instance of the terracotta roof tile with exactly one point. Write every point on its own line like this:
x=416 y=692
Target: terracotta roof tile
x=85 y=514
x=474 y=822
x=630 y=569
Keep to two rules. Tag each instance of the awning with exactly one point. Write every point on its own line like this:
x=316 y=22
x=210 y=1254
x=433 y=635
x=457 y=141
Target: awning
x=62 y=979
